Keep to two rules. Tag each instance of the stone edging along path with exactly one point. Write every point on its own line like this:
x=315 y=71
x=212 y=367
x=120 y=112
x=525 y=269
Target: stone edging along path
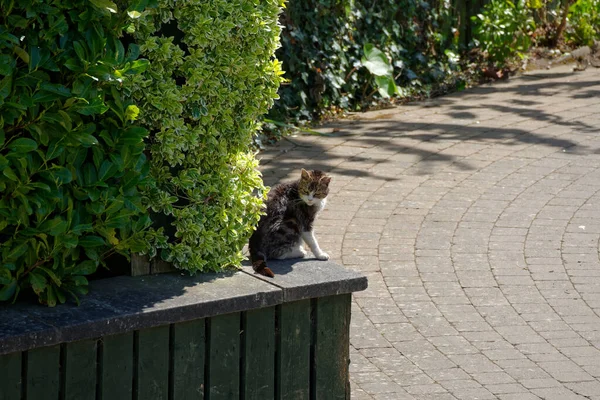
x=476 y=217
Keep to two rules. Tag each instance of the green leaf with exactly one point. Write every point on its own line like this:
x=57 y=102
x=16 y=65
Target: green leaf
x=7 y=63
x=91 y=241
x=10 y=174
x=70 y=241
x=79 y=280
x=133 y=135
x=96 y=106
x=80 y=50
x=50 y=297
x=54 y=227
x=106 y=170
x=55 y=149
x=17 y=252
x=34 y=58
x=22 y=54
x=73 y=64
x=5 y=87
x=376 y=61
x=87 y=140
x=62 y=175
x=40 y=185
x=5 y=276
x=51 y=275
x=23 y=145
x=138 y=5
x=86 y=267
x=386 y=86
x=82 y=228
x=135 y=67
x=38 y=282
x=8 y=291
x=114 y=207
x=105 y=5
x=56 y=88
x=89 y=174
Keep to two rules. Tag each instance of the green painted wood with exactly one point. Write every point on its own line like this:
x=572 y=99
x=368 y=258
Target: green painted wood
x=80 y=370
x=43 y=369
x=10 y=377
x=293 y=349
x=259 y=354
x=152 y=364
x=188 y=360
x=332 y=347
x=224 y=352
x=116 y=364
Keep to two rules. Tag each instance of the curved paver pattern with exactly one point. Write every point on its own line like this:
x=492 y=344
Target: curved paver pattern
x=476 y=217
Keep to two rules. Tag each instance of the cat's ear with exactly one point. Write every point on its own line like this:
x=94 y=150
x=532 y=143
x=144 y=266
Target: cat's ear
x=305 y=174
x=325 y=180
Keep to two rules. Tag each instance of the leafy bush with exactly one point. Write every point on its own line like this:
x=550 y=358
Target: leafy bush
x=326 y=45
x=503 y=30
x=213 y=74
x=584 y=18
x=92 y=138
x=71 y=155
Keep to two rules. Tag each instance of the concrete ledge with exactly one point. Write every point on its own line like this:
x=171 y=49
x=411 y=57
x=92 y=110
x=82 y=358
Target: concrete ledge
x=124 y=304
x=306 y=278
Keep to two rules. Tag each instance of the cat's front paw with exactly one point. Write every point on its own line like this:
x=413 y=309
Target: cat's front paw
x=322 y=256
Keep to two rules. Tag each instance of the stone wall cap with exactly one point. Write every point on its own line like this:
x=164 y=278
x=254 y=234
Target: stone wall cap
x=124 y=304
x=307 y=278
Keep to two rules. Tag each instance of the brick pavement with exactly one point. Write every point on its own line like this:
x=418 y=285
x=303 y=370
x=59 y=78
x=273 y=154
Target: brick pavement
x=476 y=217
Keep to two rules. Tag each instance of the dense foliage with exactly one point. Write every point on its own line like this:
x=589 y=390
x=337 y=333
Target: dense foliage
x=506 y=29
x=71 y=155
x=325 y=44
x=334 y=52
x=213 y=74
x=125 y=127
x=584 y=18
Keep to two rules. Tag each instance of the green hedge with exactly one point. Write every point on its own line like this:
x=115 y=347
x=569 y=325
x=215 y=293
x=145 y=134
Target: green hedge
x=125 y=127
x=71 y=155
x=324 y=41
x=213 y=75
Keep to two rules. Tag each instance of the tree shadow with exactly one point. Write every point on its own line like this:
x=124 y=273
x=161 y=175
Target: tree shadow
x=457 y=120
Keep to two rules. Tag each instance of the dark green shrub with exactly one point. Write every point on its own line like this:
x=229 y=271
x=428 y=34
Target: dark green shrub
x=71 y=155
x=584 y=23
x=503 y=30
x=213 y=74
x=325 y=43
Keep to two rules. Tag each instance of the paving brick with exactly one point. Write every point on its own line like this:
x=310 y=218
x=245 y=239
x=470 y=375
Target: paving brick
x=479 y=237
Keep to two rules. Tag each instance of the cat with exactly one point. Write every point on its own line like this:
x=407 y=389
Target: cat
x=291 y=209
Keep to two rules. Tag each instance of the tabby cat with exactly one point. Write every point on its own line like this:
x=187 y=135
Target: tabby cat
x=291 y=211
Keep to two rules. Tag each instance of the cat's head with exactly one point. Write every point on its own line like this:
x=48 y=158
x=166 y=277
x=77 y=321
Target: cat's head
x=313 y=187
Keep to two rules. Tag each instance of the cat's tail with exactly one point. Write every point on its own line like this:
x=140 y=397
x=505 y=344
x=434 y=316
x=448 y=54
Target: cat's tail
x=259 y=259
x=260 y=267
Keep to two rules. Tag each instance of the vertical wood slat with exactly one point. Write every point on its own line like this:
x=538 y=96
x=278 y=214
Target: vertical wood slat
x=224 y=353
x=117 y=367
x=293 y=369
x=332 y=346
x=43 y=373
x=140 y=265
x=188 y=360
x=10 y=376
x=259 y=357
x=80 y=370
x=153 y=363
